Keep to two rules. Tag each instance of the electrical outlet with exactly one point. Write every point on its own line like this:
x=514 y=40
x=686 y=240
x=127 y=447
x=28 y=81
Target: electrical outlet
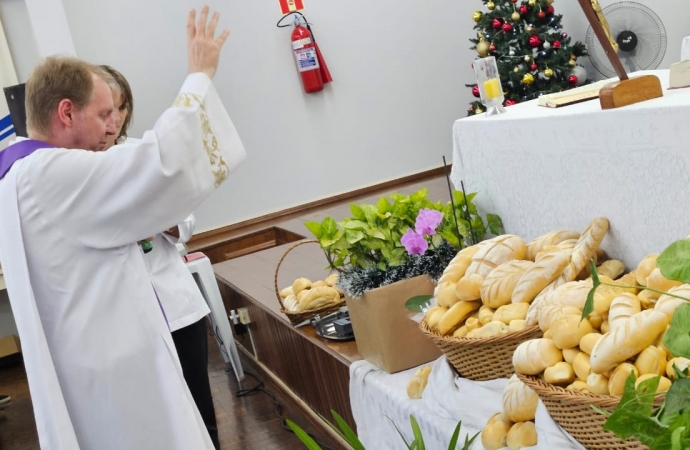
x=244 y=316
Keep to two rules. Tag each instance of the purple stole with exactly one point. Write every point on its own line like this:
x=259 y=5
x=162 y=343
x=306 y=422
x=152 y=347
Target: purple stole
x=17 y=151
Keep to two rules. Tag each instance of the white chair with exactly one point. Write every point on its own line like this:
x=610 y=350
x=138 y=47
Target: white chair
x=202 y=271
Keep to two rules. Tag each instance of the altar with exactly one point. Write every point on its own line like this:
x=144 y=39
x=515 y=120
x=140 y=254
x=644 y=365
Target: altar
x=542 y=169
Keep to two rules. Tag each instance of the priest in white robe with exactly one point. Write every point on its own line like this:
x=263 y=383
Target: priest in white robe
x=102 y=368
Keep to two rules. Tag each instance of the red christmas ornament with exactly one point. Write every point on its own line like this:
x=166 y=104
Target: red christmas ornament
x=556 y=44
x=541 y=14
x=572 y=79
x=497 y=24
x=510 y=102
x=507 y=27
x=534 y=41
x=475 y=91
x=523 y=9
x=533 y=67
x=550 y=10
x=514 y=1
x=492 y=48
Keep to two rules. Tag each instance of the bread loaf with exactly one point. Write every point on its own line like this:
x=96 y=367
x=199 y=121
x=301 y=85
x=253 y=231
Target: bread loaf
x=486 y=315
x=551 y=314
x=568 y=294
x=461 y=332
x=516 y=325
x=668 y=304
x=657 y=281
x=499 y=285
x=508 y=313
x=619 y=376
x=626 y=341
x=552 y=238
x=445 y=294
x=569 y=354
x=585 y=250
x=495 y=433
x=651 y=360
x=521 y=435
x=468 y=288
x=534 y=356
x=568 y=245
x=560 y=373
x=645 y=268
x=598 y=384
x=623 y=307
x=319 y=284
x=519 y=401
x=537 y=277
x=495 y=252
x=595 y=319
x=612 y=268
x=433 y=316
x=588 y=341
x=318 y=297
x=664 y=383
x=286 y=292
x=569 y=330
x=300 y=284
x=582 y=366
x=472 y=323
x=332 y=280
x=458 y=266
x=290 y=303
x=455 y=316
x=416 y=386
x=491 y=329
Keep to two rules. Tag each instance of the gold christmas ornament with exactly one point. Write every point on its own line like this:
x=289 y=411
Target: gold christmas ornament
x=572 y=62
x=528 y=79
x=527 y=58
x=483 y=48
x=516 y=69
x=491 y=6
x=548 y=73
x=548 y=2
x=532 y=2
x=515 y=16
x=477 y=16
x=529 y=29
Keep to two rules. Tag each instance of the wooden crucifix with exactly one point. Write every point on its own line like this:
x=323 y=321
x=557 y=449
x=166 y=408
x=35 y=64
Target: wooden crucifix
x=627 y=90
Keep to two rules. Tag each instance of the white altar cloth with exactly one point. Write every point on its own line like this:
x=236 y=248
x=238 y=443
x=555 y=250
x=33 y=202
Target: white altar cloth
x=377 y=396
x=543 y=169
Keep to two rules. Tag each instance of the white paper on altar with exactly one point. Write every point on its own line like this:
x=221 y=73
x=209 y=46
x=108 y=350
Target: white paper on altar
x=8 y=77
x=376 y=396
x=685 y=49
x=543 y=169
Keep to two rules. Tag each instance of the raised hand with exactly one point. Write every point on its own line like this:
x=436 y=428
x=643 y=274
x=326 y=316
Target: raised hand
x=203 y=49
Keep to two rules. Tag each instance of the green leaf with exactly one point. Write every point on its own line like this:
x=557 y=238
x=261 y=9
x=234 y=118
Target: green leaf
x=646 y=391
x=371 y=214
x=407 y=444
x=357 y=212
x=315 y=228
x=436 y=240
x=450 y=236
x=350 y=435
x=677 y=337
x=676 y=437
x=355 y=224
x=589 y=304
x=417 y=432
x=417 y=303
x=329 y=228
x=673 y=261
x=495 y=224
x=376 y=233
x=469 y=442
x=601 y=411
x=354 y=236
x=628 y=424
x=303 y=436
x=678 y=396
x=328 y=241
x=419 y=196
x=456 y=435
x=383 y=206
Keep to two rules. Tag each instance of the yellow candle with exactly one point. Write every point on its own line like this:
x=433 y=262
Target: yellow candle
x=492 y=88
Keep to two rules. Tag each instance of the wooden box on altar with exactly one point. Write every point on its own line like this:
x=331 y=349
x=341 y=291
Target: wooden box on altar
x=385 y=335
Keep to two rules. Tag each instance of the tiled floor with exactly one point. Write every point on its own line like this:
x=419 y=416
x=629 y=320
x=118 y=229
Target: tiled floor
x=244 y=423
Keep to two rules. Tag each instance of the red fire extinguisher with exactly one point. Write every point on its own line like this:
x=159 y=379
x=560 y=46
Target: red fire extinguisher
x=310 y=63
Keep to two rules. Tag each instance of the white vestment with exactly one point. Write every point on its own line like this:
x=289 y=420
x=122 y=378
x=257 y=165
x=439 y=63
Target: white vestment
x=178 y=292
x=102 y=367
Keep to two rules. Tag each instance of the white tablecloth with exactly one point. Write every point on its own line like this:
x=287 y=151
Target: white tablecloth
x=543 y=169
x=377 y=396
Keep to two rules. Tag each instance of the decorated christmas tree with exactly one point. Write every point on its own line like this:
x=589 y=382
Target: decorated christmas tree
x=533 y=53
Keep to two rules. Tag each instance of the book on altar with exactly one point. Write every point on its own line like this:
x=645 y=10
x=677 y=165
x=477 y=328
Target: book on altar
x=679 y=75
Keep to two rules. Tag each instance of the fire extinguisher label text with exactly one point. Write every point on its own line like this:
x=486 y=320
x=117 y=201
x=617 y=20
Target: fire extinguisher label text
x=301 y=43
x=306 y=59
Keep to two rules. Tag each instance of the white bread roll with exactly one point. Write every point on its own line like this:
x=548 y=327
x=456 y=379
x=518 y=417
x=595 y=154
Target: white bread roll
x=598 y=384
x=491 y=329
x=486 y=314
x=613 y=268
x=286 y=292
x=568 y=246
x=433 y=316
x=552 y=238
x=664 y=383
x=628 y=340
x=645 y=268
x=495 y=433
x=508 y=313
x=596 y=320
x=455 y=316
x=332 y=280
x=516 y=325
x=680 y=363
x=578 y=386
x=300 y=284
x=318 y=297
x=519 y=401
x=537 y=277
x=496 y=251
x=659 y=282
x=472 y=323
x=469 y=287
x=605 y=327
x=582 y=366
x=560 y=373
x=534 y=356
x=521 y=435
x=648 y=299
x=623 y=307
x=569 y=354
x=585 y=250
x=588 y=341
x=290 y=303
x=573 y=294
x=569 y=330
x=445 y=294
x=461 y=332
x=417 y=384
x=457 y=267
x=551 y=314
x=668 y=304
x=651 y=360
x=498 y=286
x=619 y=376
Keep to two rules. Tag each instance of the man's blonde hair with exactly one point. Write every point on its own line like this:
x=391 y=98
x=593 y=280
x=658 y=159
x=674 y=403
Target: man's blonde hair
x=58 y=78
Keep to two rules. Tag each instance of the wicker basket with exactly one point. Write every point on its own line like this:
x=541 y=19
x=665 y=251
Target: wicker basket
x=301 y=316
x=572 y=411
x=482 y=359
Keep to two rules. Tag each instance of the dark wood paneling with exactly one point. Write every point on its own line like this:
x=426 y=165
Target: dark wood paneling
x=316 y=375
x=250 y=243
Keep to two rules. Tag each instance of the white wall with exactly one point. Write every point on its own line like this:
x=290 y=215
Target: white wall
x=20 y=36
x=399 y=71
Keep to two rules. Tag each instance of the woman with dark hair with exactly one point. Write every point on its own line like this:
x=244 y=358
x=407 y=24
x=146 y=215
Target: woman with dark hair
x=180 y=297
